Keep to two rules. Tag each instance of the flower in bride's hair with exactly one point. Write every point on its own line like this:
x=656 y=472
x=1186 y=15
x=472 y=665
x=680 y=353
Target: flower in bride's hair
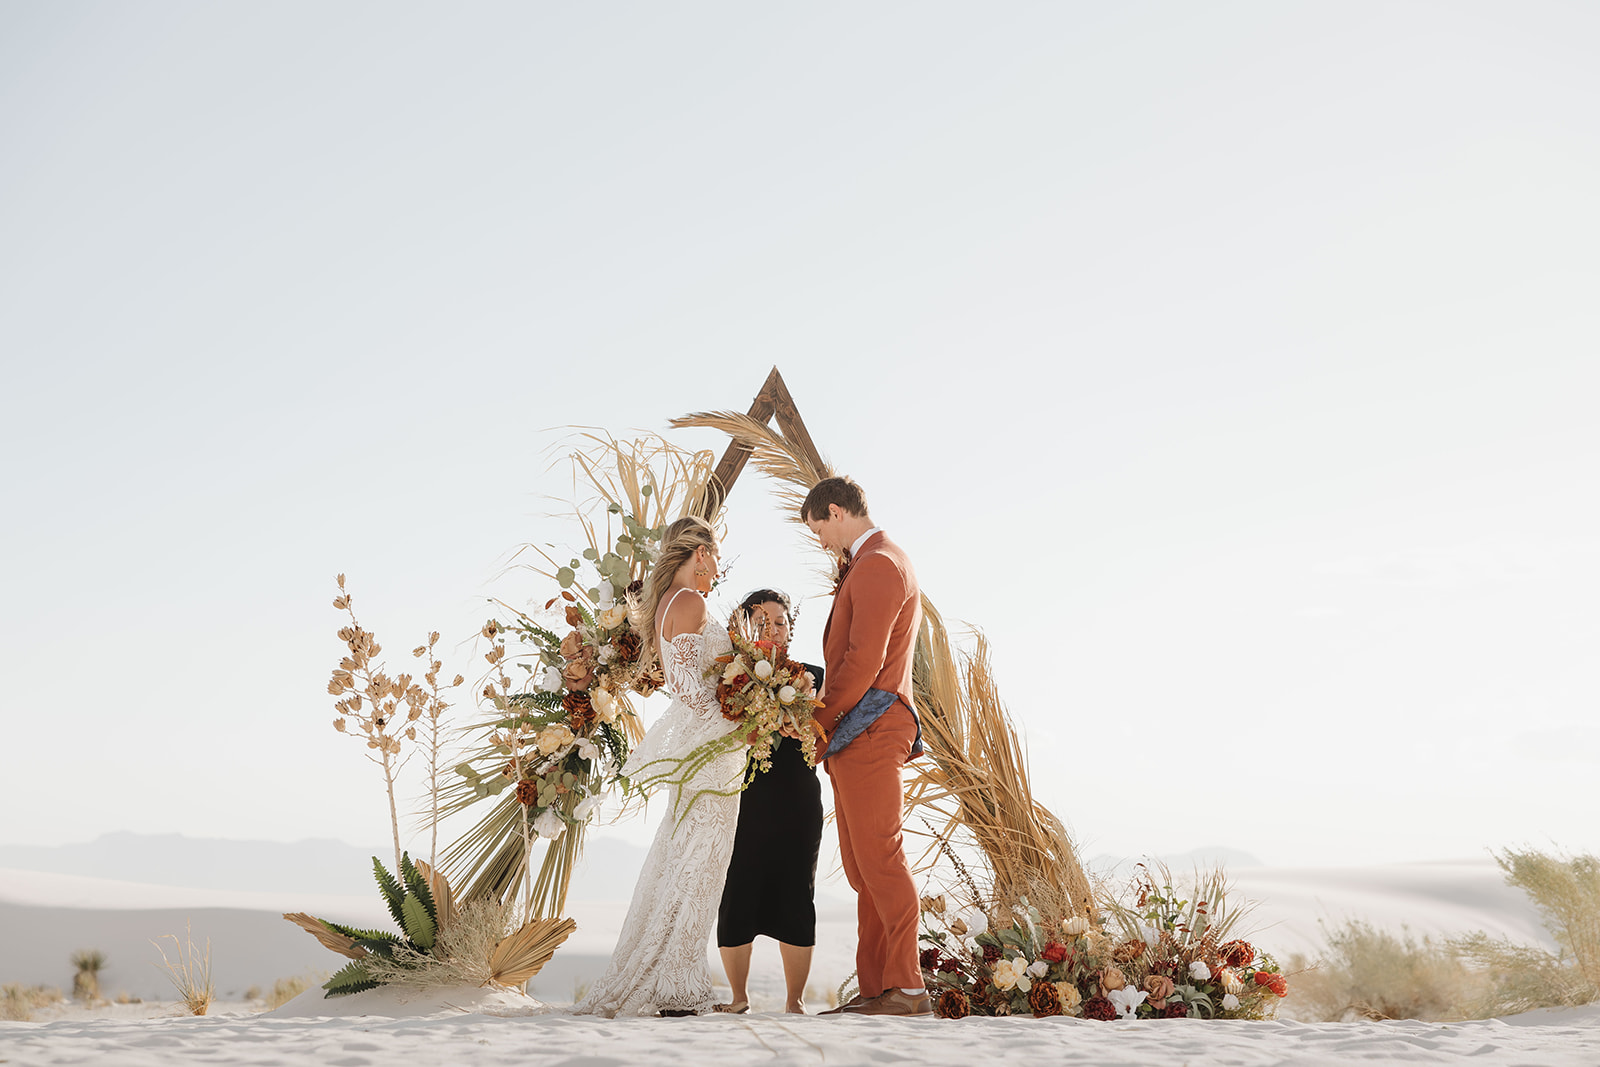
x=786 y=695
x=549 y=824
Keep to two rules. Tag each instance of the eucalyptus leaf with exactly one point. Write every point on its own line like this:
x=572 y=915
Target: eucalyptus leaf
x=497 y=785
x=565 y=576
x=466 y=771
x=590 y=554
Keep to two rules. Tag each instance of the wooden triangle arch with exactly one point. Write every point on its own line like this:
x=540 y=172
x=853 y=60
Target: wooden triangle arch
x=773 y=401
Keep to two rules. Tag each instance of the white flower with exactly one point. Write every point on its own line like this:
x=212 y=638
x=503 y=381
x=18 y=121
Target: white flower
x=1076 y=926
x=1230 y=1002
x=549 y=824
x=763 y=669
x=607 y=653
x=1038 y=968
x=1008 y=973
x=588 y=806
x=1230 y=981
x=605 y=705
x=551 y=681
x=1199 y=971
x=588 y=750
x=612 y=617
x=1149 y=935
x=735 y=669
x=608 y=593
x=786 y=695
x=1126 y=1000
x=977 y=922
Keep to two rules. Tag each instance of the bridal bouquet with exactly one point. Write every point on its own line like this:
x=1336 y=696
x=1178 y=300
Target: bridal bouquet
x=768 y=694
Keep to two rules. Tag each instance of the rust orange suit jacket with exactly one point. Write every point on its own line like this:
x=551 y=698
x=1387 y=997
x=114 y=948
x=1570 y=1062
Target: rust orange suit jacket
x=871 y=632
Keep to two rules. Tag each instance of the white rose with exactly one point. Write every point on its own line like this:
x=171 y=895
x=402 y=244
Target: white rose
x=552 y=681
x=607 y=653
x=605 y=705
x=588 y=749
x=763 y=669
x=613 y=616
x=786 y=695
x=1230 y=1003
x=977 y=922
x=1076 y=926
x=1004 y=976
x=1199 y=971
x=608 y=593
x=549 y=825
x=1038 y=968
x=733 y=670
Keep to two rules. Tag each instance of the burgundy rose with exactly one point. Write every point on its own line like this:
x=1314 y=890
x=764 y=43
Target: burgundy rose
x=1099 y=1008
x=1176 y=1010
x=1237 y=953
x=1055 y=952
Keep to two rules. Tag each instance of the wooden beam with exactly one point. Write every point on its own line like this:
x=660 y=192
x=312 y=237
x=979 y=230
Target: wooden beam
x=772 y=400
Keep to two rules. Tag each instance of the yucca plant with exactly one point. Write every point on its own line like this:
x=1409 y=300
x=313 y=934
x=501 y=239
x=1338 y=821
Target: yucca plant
x=415 y=909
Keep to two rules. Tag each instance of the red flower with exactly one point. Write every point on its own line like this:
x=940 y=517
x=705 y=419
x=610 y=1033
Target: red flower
x=991 y=953
x=952 y=1004
x=929 y=958
x=1176 y=1010
x=1237 y=953
x=1099 y=1008
x=1055 y=952
x=949 y=966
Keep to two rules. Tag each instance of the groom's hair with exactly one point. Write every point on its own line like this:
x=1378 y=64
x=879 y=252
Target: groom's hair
x=842 y=491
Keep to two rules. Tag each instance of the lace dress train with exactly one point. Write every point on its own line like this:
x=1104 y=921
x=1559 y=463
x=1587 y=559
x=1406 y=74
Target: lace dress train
x=660 y=959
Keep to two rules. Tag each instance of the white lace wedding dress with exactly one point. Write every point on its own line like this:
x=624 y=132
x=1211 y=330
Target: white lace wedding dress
x=660 y=959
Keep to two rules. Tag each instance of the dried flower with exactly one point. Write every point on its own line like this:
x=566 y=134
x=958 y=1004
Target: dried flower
x=606 y=706
x=1160 y=987
x=1199 y=971
x=1075 y=926
x=1070 y=997
x=1099 y=1008
x=1126 y=1000
x=527 y=793
x=952 y=1004
x=1176 y=1010
x=1044 y=1000
x=1237 y=953
x=1112 y=979
x=1230 y=1002
x=549 y=824
x=933 y=904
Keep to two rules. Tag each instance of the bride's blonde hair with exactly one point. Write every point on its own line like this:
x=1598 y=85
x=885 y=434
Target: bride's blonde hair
x=677 y=545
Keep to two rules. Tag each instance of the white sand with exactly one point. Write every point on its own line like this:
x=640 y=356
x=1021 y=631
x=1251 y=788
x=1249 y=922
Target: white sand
x=422 y=1034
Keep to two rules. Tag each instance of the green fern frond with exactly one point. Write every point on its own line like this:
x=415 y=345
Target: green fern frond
x=351 y=978
x=393 y=893
x=420 y=925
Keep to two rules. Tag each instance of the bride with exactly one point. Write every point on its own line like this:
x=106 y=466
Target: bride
x=659 y=964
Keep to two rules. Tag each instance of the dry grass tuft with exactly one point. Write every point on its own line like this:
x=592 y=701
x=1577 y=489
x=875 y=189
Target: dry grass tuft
x=1567 y=891
x=475 y=950
x=190 y=974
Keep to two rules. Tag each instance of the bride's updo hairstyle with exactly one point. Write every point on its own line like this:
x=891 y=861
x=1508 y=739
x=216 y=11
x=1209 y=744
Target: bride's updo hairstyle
x=677 y=545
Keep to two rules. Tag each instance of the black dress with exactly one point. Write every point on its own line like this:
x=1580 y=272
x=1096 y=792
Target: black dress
x=772 y=875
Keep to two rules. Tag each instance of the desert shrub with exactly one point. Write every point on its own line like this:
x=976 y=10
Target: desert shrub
x=88 y=963
x=1370 y=973
x=18 y=1002
x=285 y=990
x=1567 y=892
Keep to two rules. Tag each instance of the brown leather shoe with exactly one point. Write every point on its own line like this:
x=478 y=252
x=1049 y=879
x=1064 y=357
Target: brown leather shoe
x=849 y=1005
x=894 y=1002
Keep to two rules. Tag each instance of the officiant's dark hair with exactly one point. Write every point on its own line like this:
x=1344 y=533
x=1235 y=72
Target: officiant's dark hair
x=842 y=491
x=748 y=606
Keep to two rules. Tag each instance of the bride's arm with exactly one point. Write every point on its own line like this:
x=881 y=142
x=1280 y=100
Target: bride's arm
x=680 y=662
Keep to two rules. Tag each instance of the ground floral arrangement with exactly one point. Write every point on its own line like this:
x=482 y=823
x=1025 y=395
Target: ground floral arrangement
x=1162 y=957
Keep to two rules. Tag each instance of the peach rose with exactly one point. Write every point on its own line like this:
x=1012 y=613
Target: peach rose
x=571 y=645
x=1070 y=997
x=580 y=671
x=1112 y=978
x=1160 y=987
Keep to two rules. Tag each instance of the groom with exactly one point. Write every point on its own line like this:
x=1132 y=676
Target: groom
x=872 y=732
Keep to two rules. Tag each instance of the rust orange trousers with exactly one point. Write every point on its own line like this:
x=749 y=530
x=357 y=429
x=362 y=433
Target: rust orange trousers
x=868 y=800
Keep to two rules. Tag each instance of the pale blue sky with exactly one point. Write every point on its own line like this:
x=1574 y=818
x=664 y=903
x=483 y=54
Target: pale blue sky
x=1231 y=365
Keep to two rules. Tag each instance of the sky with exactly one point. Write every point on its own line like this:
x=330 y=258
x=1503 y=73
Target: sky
x=1230 y=366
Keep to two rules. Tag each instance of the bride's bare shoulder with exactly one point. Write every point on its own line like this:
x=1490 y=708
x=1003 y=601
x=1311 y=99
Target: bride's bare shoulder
x=685 y=615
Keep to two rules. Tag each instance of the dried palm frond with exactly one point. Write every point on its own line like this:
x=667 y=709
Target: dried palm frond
x=519 y=957
x=330 y=938
x=491 y=861
x=773 y=454
x=444 y=905
x=974 y=783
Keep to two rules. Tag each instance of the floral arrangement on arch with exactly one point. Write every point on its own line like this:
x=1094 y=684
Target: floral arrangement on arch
x=769 y=694
x=1163 y=957
x=562 y=676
